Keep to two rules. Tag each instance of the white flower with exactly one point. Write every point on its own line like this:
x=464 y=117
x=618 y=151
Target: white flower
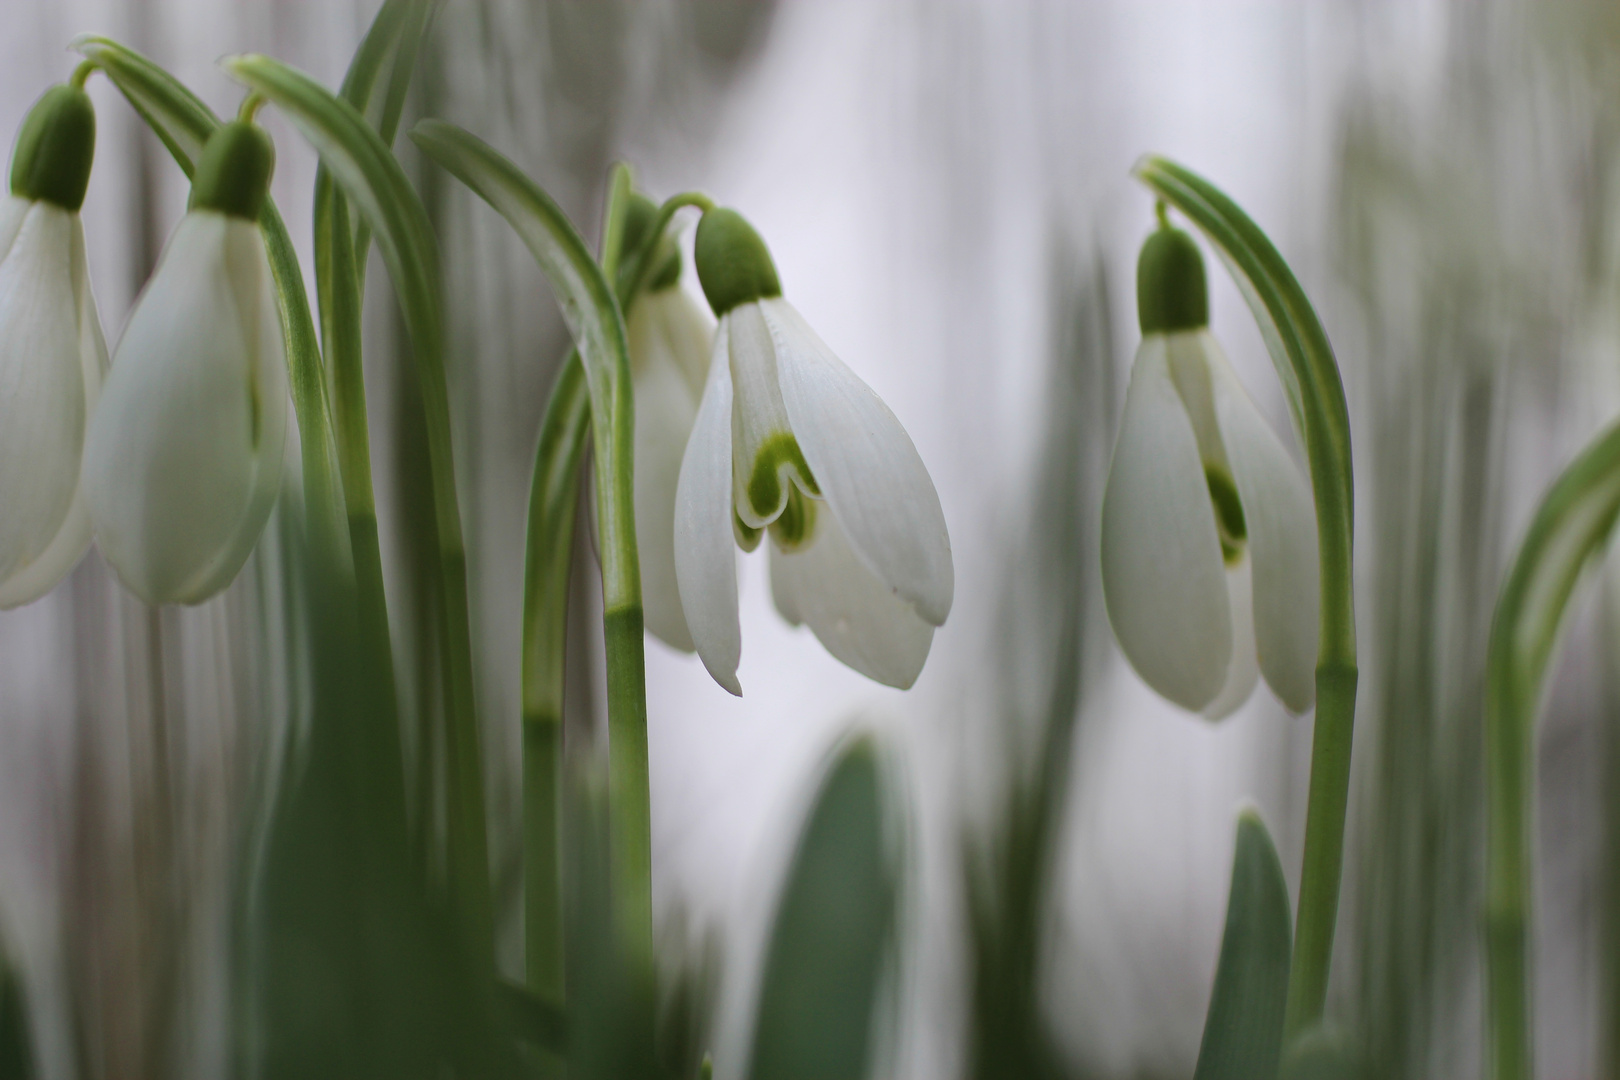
x=184 y=456
x=670 y=338
x=789 y=440
x=1209 y=553
x=52 y=355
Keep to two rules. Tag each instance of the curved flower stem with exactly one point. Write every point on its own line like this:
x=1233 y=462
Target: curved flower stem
x=1304 y=360
x=1571 y=527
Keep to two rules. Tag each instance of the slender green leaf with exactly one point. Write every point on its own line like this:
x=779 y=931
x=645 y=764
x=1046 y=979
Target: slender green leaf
x=834 y=932
x=170 y=109
x=373 y=181
x=16 y=1042
x=592 y=313
x=1571 y=527
x=1304 y=361
x=1243 y=1031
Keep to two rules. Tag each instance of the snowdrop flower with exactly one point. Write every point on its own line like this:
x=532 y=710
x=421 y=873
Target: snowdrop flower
x=788 y=441
x=52 y=355
x=1209 y=554
x=670 y=338
x=184 y=456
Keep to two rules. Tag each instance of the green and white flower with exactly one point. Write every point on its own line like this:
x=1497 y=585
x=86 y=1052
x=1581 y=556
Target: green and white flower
x=670 y=336
x=52 y=356
x=1209 y=552
x=788 y=440
x=184 y=457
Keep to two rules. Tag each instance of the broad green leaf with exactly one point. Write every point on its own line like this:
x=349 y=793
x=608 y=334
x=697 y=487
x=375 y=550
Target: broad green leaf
x=589 y=308
x=1243 y=1031
x=834 y=933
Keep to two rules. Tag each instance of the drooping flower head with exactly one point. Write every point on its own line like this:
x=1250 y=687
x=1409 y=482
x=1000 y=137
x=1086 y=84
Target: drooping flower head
x=670 y=334
x=1209 y=552
x=52 y=356
x=184 y=457
x=790 y=442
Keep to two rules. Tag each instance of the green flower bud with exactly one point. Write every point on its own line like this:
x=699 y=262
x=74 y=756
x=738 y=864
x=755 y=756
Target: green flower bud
x=54 y=149
x=733 y=263
x=1170 y=290
x=233 y=174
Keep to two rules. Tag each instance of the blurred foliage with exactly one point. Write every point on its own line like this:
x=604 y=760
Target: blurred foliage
x=833 y=943
x=1049 y=615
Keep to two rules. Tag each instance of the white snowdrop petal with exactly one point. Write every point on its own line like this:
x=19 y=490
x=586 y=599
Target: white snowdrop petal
x=671 y=326
x=854 y=615
x=1164 y=581
x=665 y=410
x=762 y=447
x=866 y=467
x=13 y=208
x=52 y=565
x=42 y=396
x=185 y=451
x=1244 y=670
x=1281 y=520
x=705 y=559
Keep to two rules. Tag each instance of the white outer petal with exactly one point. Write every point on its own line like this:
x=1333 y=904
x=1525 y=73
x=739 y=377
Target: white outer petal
x=666 y=407
x=1281 y=520
x=1164 y=582
x=866 y=466
x=705 y=555
x=13 y=208
x=1244 y=670
x=71 y=540
x=858 y=618
x=178 y=488
x=42 y=402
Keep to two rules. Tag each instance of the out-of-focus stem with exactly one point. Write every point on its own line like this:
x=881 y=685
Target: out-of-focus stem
x=1571 y=526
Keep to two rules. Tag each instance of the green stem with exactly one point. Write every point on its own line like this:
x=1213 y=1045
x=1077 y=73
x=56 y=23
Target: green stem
x=553 y=499
x=552 y=503
x=1304 y=360
x=373 y=180
x=1570 y=528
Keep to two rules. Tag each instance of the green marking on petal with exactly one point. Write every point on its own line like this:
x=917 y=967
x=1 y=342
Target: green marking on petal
x=765 y=479
x=1229 y=522
x=747 y=536
x=797 y=523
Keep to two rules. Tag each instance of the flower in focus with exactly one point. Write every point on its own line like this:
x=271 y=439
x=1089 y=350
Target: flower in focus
x=670 y=336
x=184 y=456
x=1209 y=553
x=789 y=441
x=52 y=356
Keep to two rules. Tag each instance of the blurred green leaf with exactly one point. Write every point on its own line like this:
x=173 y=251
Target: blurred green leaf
x=16 y=1045
x=1319 y=1054
x=834 y=932
x=1244 y=1028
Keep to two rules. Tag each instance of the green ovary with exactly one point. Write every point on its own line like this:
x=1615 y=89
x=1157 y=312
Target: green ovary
x=765 y=480
x=1229 y=522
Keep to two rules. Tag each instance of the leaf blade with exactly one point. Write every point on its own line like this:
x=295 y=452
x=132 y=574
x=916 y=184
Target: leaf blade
x=1243 y=1030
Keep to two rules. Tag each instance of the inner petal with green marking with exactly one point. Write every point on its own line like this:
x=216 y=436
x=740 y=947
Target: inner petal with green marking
x=767 y=465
